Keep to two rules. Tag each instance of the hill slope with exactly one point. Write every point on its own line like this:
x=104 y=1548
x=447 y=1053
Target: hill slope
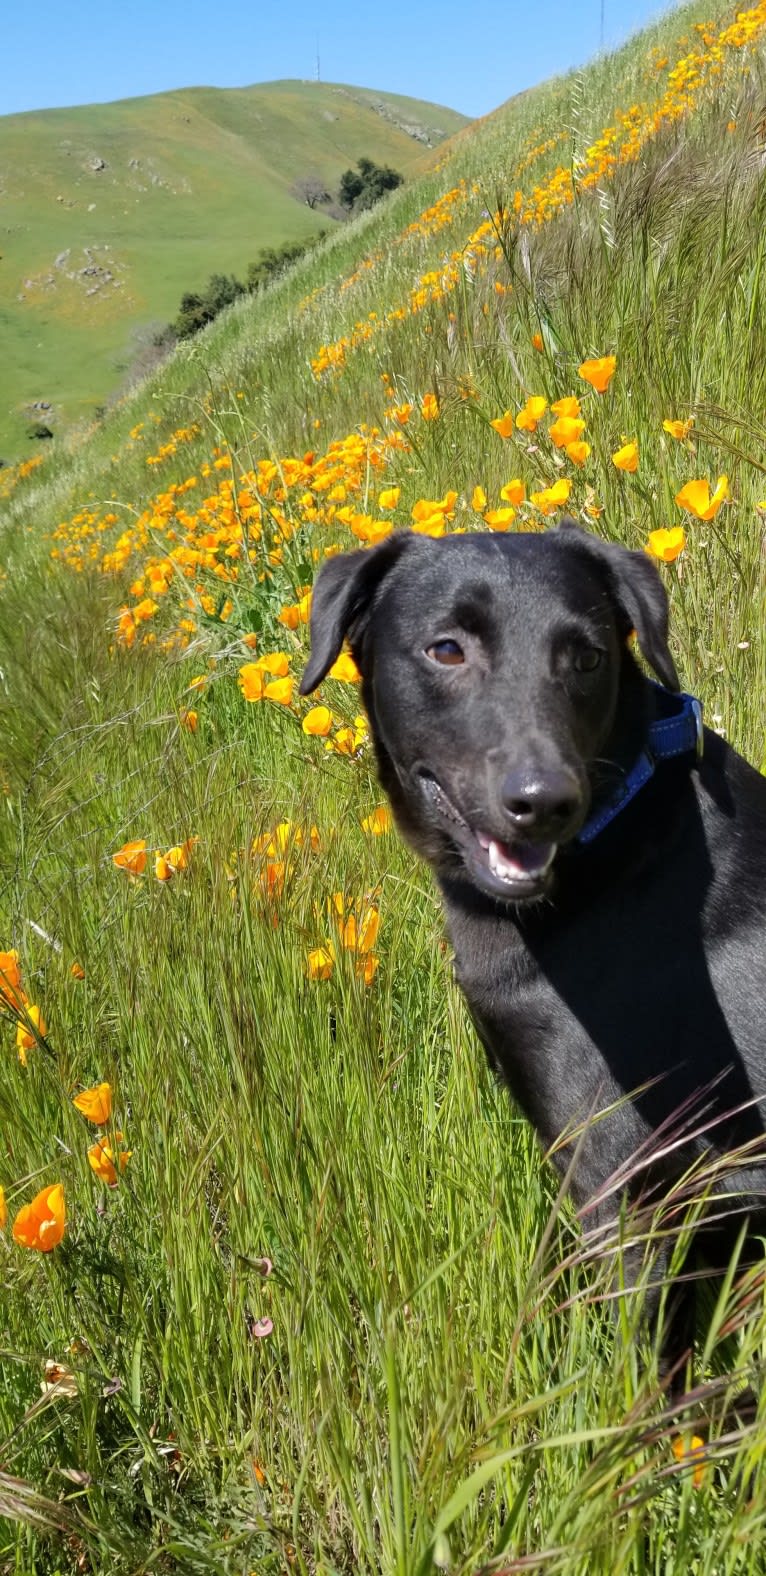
x=108 y=212
x=317 y=1306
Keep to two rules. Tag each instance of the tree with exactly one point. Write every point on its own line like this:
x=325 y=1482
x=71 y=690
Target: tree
x=310 y=189
x=351 y=187
x=197 y=310
x=365 y=185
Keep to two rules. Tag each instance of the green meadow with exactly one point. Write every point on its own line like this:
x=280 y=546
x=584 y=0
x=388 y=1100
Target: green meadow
x=330 y=1313
x=155 y=194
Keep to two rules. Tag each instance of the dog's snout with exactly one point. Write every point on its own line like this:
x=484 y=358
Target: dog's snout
x=538 y=800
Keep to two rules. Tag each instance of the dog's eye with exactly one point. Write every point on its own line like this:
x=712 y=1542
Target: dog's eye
x=447 y=652
x=586 y=659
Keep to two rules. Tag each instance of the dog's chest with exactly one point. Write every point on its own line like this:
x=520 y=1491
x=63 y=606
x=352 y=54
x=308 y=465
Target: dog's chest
x=532 y=1038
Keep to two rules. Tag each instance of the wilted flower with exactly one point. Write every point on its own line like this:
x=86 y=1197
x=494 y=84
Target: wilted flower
x=41 y=1224
x=95 y=1103
x=598 y=372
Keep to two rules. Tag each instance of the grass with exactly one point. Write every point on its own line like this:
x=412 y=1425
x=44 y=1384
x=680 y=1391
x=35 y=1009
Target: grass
x=443 y=1386
x=195 y=182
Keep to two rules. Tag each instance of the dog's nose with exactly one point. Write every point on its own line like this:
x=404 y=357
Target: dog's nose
x=539 y=800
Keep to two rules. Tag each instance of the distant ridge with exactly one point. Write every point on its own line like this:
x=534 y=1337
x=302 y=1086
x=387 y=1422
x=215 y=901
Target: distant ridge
x=108 y=212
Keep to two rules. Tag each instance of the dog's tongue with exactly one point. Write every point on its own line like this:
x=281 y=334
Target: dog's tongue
x=520 y=860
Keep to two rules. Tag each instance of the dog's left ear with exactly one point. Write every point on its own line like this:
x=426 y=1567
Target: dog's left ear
x=640 y=594
x=343 y=594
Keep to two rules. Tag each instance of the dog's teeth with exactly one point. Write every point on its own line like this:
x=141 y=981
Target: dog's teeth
x=509 y=869
x=502 y=865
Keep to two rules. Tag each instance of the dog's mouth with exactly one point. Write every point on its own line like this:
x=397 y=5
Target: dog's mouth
x=515 y=870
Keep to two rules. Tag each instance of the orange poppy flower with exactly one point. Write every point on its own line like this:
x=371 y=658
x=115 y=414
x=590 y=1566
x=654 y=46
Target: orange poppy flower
x=280 y=691
x=378 y=822
x=102 y=1157
x=533 y=412
x=41 y=1223
x=26 y=1038
x=95 y=1104
x=321 y=963
x=568 y=429
x=500 y=519
x=598 y=372
x=478 y=500
x=345 y=669
x=696 y=497
x=568 y=406
x=10 y=978
x=514 y=491
x=429 y=407
x=503 y=424
x=3 y=1210
x=666 y=544
x=626 y=458
x=131 y=857
x=577 y=452
x=691 y=1451
x=317 y=722
x=77 y=971
x=679 y=429
x=389 y=497
x=552 y=497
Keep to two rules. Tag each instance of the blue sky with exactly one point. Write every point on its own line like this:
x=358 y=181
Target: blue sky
x=468 y=54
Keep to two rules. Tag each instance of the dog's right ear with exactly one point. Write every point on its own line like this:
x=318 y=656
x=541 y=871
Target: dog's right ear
x=343 y=594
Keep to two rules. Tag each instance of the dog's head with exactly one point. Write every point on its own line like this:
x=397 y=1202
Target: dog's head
x=491 y=669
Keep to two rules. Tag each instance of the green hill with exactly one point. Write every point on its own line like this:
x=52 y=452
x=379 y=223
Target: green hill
x=108 y=212
x=317 y=1306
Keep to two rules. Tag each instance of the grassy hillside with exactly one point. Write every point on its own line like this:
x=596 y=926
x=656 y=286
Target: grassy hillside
x=315 y=1306
x=108 y=212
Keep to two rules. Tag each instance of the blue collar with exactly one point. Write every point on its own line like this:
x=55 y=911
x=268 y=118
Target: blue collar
x=678 y=734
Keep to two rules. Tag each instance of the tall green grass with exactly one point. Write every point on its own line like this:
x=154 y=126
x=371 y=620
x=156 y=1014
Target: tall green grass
x=444 y=1386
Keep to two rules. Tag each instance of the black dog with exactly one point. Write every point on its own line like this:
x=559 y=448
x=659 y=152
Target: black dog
x=604 y=876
